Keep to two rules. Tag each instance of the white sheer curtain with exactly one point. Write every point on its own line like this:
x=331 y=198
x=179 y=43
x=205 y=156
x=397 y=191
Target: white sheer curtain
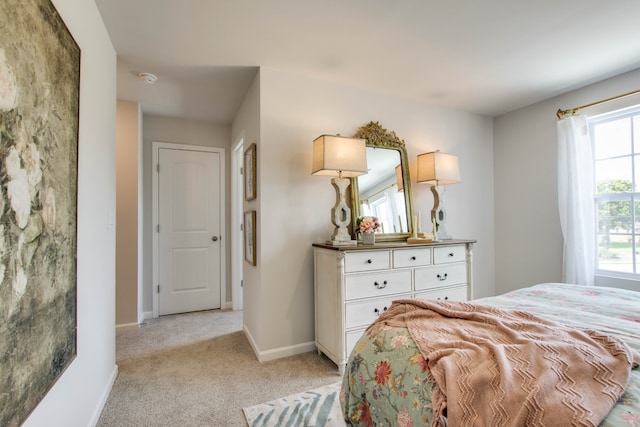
x=576 y=200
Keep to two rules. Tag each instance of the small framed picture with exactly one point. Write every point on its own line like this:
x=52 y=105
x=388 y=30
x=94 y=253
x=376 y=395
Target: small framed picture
x=249 y=228
x=250 y=188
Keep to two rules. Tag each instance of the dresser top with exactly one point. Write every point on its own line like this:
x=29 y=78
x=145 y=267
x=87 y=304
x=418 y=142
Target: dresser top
x=393 y=245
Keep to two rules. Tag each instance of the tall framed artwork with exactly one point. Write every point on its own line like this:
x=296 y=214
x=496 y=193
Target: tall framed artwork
x=39 y=105
x=249 y=228
x=250 y=187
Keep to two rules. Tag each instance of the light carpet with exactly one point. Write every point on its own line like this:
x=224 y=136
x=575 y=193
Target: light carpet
x=199 y=370
x=319 y=407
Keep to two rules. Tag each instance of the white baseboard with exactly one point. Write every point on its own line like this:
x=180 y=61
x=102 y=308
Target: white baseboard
x=127 y=327
x=278 y=353
x=105 y=395
x=252 y=343
x=145 y=315
x=281 y=352
x=130 y=326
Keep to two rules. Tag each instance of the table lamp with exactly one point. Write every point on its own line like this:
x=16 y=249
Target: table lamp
x=438 y=169
x=343 y=158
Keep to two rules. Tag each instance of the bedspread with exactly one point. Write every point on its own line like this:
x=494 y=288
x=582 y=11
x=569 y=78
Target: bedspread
x=387 y=378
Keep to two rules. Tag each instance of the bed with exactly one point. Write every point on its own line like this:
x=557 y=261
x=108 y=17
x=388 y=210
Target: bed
x=389 y=382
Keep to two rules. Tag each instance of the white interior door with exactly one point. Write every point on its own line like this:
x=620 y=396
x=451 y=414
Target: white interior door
x=189 y=231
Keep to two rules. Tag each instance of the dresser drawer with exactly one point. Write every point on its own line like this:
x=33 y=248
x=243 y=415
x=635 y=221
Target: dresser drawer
x=366 y=261
x=440 y=275
x=447 y=254
x=456 y=293
x=411 y=257
x=377 y=284
x=352 y=339
x=364 y=313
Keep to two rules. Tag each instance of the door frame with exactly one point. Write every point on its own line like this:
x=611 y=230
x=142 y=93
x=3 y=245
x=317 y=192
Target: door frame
x=237 y=244
x=156 y=147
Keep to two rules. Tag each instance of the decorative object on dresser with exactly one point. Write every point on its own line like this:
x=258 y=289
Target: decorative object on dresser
x=438 y=169
x=354 y=285
x=366 y=227
x=385 y=191
x=368 y=239
x=343 y=158
x=418 y=236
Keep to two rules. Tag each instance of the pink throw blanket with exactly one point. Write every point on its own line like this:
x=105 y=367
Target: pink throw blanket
x=495 y=367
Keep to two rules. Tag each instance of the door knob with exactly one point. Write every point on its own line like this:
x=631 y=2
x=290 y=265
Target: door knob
x=214 y=238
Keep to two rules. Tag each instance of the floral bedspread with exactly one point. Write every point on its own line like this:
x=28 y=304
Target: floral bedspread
x=386 y=381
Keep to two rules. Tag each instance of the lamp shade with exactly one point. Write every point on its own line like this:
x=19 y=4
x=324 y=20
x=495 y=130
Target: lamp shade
x=399 y=179
x=438 y=168
x=339 y=156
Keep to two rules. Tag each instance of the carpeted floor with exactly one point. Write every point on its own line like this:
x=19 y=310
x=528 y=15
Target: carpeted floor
x=198 y=369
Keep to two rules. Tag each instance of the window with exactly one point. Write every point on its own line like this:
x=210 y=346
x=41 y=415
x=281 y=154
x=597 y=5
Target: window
x=616 y=148
x=387 y=205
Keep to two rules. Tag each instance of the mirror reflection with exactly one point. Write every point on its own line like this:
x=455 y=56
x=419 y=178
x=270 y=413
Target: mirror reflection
x=381 y=190
x=385 y=191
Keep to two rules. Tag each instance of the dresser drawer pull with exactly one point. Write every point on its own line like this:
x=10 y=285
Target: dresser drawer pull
x=450 y=254
x=377 y=311
x=442 y=277
x=413 y=258
x=379 y=286
x=369 y=261
x=445 y=298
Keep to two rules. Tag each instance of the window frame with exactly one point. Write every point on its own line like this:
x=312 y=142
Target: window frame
x=633 y=197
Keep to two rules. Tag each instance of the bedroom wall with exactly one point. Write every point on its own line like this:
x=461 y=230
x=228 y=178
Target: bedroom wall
x=246 y=126
x=77 y=398
x=127 y=147
x=294 y=207
x=528 y=235
x=178 y=131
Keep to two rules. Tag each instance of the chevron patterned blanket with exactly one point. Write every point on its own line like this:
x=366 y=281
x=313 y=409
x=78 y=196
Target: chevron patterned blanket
x=481 y=364
x=497 y=367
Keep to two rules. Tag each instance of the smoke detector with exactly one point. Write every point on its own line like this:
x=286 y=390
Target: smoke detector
x=148 y=78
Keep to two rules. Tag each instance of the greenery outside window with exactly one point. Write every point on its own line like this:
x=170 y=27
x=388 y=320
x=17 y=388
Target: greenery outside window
x=616 y=147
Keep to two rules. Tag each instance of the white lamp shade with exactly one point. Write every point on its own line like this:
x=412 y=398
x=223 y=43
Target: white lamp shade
x=438 y=168
x=399 y=179
x=338 y=155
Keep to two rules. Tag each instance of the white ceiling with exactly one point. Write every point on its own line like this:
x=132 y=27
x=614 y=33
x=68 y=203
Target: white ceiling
x=483 y=56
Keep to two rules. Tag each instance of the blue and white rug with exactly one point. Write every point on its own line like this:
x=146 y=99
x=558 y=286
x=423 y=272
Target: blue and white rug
x=319 y=407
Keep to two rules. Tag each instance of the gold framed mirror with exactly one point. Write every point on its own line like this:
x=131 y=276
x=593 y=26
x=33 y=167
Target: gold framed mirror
x=385 y=191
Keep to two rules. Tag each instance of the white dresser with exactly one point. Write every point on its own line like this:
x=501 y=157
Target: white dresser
x=354 y=285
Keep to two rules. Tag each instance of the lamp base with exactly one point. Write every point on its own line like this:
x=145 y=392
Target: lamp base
x=342 y=242
x=439 y=217
x=341 y=215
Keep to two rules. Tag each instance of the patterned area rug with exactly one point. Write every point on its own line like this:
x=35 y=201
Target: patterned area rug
x=318 y=407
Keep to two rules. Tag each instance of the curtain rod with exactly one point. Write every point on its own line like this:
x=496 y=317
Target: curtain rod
x=562 y=113
x=378 y=192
